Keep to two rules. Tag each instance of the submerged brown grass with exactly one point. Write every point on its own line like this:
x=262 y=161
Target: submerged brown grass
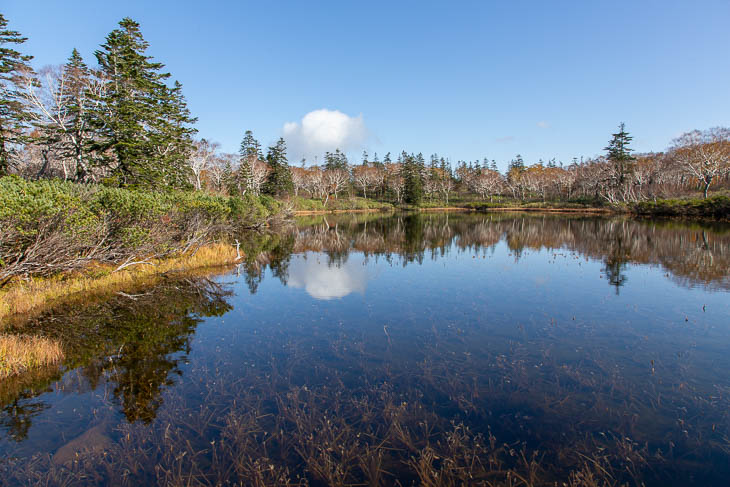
x=19 y=353
x=35 y=295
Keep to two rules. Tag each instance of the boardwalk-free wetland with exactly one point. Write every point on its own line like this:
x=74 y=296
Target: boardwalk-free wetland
x=406 y=349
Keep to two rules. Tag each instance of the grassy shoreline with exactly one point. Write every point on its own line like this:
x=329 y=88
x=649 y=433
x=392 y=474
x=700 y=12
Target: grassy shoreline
x=26 y=298
x=715 y=208
x=22 y=300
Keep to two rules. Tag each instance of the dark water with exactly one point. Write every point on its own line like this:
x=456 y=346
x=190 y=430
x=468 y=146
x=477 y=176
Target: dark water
x=430 y=349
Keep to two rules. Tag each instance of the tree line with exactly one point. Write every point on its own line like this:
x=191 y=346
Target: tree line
x=124 y=123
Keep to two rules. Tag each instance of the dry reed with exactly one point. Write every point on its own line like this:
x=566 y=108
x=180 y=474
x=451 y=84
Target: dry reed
x=19 y=353
x=36 y=295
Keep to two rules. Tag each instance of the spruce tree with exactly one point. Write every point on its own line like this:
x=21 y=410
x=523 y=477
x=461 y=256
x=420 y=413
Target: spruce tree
x=619 y=154
x=413 y=190
x=145 y=123
x=78 y=132
x=279 y=181
x=14 y=113
x=249 y=152
x=335 y=160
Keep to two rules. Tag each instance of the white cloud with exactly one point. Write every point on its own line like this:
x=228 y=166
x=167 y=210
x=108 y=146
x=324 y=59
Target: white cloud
x=543 y=124
x=324 y=130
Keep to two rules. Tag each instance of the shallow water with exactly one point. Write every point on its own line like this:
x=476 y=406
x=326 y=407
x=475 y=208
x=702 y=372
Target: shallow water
x=432 y=349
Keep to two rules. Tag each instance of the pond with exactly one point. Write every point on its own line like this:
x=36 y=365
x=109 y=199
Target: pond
x=407 y=349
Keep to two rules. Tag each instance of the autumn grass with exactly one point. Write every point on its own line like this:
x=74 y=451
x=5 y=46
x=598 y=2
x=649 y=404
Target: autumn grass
x=35 y=295
x=19 y=353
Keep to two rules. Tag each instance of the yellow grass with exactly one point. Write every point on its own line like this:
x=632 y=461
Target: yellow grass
x=19 y=353
x=35 y=295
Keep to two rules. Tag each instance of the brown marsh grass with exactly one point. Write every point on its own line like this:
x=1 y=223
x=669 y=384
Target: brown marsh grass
x=35 y=295
x=20 y=353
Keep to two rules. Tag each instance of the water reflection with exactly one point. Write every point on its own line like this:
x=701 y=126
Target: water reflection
x=694 y=254
x=131 y=343
x=327 y=280
x=487 y=350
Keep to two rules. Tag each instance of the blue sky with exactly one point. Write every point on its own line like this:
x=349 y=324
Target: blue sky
x=463 y=79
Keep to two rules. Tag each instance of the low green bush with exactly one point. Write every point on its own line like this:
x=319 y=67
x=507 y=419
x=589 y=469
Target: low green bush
x=340 y=204
x=716 y=207
x=52 y=225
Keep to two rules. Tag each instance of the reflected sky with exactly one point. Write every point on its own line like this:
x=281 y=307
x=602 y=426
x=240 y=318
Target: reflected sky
x=324 y=280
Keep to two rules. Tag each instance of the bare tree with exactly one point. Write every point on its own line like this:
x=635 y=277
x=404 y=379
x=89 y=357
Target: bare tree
x=219 y=170
x=200 y=160
x=485 y=183
x=704 y=155
x=395 y=181
x=366 y=177
x=259 y=172
x=337 y=179
x=63 y=99
x=299 y=179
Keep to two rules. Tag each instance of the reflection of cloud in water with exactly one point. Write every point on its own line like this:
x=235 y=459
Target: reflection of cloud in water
x=324 y=281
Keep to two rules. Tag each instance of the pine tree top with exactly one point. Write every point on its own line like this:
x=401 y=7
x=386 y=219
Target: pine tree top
x=618 y=147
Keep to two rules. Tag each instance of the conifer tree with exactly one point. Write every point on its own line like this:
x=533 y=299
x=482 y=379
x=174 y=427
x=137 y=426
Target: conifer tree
x=619 y=153
x=376 y=161
x=413 y=190
x=335 y=160
x=145 y=123
x=14 y=113
x=249 y=153
x=279 y=181
x=76 y=100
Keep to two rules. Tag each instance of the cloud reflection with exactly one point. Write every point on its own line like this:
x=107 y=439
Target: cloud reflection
x=325 y=281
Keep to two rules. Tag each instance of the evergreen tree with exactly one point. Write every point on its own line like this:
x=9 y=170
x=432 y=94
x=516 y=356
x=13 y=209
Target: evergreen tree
x=365 y=161
x=619 y=154
x=386 y=159
x=249 y=152
x=145 y=123
x=14 y=113
x=413 y=190
x=336 y=160
x=517 y=163
x=279 y=181
x=445 y=166
x=79 y=132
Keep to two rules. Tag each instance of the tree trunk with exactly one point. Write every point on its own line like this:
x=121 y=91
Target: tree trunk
x=708 y=181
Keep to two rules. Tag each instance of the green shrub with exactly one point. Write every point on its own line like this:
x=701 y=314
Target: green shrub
x=717 y=207
x=46 y=225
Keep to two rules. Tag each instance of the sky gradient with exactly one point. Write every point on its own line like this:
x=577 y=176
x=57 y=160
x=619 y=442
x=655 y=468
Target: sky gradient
x=464 y=79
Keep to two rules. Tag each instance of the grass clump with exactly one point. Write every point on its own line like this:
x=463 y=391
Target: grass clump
x=20 y=353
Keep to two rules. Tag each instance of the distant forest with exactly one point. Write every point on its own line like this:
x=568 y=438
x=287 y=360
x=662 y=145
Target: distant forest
x=123 y=122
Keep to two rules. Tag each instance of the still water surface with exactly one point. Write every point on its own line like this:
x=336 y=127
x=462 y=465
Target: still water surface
x=432 y=349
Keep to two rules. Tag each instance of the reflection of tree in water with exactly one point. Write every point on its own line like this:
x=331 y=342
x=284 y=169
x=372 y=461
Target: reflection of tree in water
x=693 y=254
x=615 y=262
x=262 y=250
x=615 y=272
x=134 y=342
x=19 y=403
